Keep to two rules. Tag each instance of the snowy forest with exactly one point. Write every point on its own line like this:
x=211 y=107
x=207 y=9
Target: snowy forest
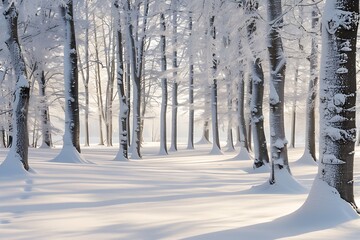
x=179 y=119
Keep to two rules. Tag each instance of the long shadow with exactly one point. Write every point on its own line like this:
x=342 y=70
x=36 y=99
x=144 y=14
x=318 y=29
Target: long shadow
x=282 y=227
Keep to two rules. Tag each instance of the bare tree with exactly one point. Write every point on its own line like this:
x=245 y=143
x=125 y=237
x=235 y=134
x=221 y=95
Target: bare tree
x=164 y=90
x=123 y=112
x=19 y=147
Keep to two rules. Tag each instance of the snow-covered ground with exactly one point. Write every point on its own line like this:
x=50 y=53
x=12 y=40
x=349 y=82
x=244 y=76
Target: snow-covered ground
x=188 y=194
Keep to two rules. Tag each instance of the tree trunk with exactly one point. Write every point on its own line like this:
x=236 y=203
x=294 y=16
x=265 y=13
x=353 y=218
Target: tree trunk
x=230 y=141
x=293 y=110
x=20 y=145
x=173 y=146
x=86 y=77
x=98 y=86
x=190 y=144
x=257 y=80
x=338 y=96
x=248 y=112
x=164 y=97
x=72 y=124
x=310 y=150
x=136 y=50
x=214 y=95
x=123 y=111
x=277 y=59
x=44 y=112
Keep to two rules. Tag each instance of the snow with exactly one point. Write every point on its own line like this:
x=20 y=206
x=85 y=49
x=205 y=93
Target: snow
x=187 y=194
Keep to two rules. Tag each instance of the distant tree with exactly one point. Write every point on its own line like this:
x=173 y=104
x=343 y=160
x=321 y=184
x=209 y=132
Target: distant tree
x=191 y=85
x=214 y=85
x=164 y=87
x=310 y=150
x=175 y=84
x=338 y=96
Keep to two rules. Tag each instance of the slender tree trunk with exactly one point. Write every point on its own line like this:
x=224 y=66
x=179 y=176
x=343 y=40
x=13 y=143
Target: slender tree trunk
x=44 y=112
x=248 y=112
x=230 y=141
x=128 y=96
x=190 y=144
x=214 y=94
x=163 y=147
x=338 y=96
x=98 y=85
x=19 y=150
x=109 y=46
x=173 y=146
x=257 y=80
x=241 y=113
x=310 y=150
x=87 y=76
x=175 y=104
x=293 y=110
x=123 y=112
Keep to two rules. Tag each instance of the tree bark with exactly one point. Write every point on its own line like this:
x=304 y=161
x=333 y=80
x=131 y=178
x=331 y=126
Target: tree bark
x=277 y=59
x=136 y=50
x=310 y=150
x=72 y=121
x=257 y=80
x=214 y=93
x=123 y=111
x=44 y=112
x=98 y=86
x=190 y=144
x=175 y=103
x=164 y=97
x=338 y=96
x=22 y=87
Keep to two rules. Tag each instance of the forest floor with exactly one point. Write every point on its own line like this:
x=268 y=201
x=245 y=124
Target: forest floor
x=187 y=194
